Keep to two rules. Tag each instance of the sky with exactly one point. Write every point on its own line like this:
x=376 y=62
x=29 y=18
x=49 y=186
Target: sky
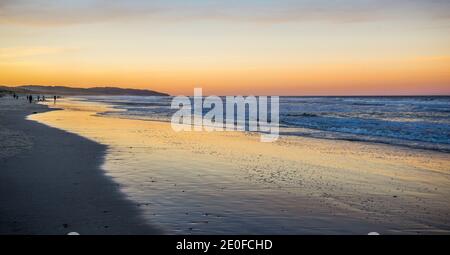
x=283 y=47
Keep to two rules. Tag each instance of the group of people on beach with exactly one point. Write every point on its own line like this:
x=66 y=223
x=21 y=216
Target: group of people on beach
x=39 y=98
x=31 y=98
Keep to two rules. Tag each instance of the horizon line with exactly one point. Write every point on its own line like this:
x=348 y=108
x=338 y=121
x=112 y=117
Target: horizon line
x=283 y=95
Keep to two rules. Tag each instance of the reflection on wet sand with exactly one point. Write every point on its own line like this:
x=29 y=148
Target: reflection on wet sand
x=230 y=182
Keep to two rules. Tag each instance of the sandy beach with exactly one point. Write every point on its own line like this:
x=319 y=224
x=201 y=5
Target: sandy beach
x=125 y=174
x=51 y=181
x=227 y=127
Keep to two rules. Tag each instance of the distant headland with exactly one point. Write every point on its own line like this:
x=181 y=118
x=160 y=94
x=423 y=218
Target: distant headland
x=95 y=91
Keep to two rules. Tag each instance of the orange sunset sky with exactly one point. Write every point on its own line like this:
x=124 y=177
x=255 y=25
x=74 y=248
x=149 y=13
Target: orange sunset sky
x=282 y=47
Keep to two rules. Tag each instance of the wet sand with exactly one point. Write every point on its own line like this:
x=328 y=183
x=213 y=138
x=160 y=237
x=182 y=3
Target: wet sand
x=230 y=183
x=51 y=181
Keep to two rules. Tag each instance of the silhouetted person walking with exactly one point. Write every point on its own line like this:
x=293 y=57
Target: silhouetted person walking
x=30 y=98
x=54 y=99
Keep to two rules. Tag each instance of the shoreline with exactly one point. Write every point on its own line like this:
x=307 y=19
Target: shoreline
x=121 y=175
x=55 y=184
x=224 y=182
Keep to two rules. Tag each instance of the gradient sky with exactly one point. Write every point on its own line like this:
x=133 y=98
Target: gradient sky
x=347 y=47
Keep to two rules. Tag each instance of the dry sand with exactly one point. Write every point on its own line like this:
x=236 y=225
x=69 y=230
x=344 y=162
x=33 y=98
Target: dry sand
x=51 y=181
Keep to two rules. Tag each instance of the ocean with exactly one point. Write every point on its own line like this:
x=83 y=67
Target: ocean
x=421 y=122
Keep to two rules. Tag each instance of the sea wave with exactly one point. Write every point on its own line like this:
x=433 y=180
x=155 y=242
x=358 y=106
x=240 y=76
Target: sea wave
x=418 y=122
